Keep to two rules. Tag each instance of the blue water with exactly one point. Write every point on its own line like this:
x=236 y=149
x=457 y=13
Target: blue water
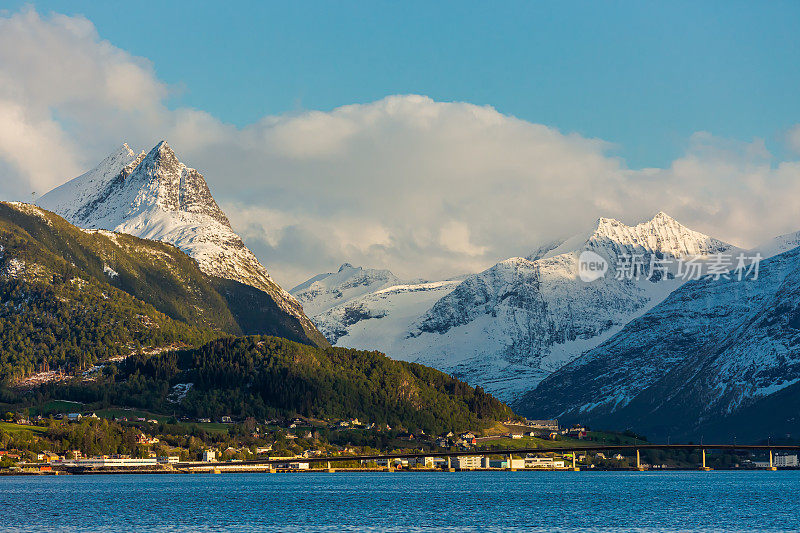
x=469 y=501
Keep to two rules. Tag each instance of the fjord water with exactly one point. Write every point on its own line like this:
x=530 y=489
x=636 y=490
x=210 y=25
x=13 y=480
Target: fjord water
x=469 y=501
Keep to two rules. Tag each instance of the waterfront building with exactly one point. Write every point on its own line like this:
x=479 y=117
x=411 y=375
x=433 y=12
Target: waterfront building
x=467 y=462
x=209 y=456
x=535 y=461
x=503 y=463
x=785 y=460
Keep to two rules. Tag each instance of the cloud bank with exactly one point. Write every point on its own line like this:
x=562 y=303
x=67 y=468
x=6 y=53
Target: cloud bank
x=425 y=188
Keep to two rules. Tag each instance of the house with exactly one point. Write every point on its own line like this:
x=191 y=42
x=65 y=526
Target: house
x=264 y=449
x=618 y=456
x=600 y=455
x=49 y=457
x=74 y=417
x=209 y=456
x=516 y=436
x=204 y=420
x=144 y=439
x=227 y=420
x=170 y=459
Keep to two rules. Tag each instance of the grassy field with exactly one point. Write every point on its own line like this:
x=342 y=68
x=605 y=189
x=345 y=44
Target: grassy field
x=211 y=427
x=130 y=414
x=57 y=406
x=8 y=427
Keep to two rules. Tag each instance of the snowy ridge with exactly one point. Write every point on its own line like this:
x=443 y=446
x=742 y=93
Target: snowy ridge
x=325 y=291
x=778 y=245
x=155 y=196
x=368 y=308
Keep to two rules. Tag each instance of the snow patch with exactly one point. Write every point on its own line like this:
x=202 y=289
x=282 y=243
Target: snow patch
x=110 y=272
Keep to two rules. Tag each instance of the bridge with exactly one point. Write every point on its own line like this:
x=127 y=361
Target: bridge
x=329 y=461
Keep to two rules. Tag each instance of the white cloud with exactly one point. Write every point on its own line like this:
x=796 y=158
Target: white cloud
x=793 y=138
x=425 y=188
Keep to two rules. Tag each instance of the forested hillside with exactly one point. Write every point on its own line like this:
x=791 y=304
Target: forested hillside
x=54 y=314
x=266 y=377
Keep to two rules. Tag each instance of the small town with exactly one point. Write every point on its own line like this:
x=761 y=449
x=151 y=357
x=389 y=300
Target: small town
x=303 y=445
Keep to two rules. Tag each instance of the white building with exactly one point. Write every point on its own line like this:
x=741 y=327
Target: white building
x=503 y=463
x=293 y=465
x=543 y=462
x=209 y=456
x=785 y=460
x=467 y=462
x=404 y=463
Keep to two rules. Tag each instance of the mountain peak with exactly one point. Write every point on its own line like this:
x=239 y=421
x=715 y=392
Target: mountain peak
x=661 y=234
x=163 y=149
x=661 y=216
x=125 y=150
x=155 y=196
x=345 y=266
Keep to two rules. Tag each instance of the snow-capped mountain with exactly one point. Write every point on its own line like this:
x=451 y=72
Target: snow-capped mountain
x=155 y=196
x=367 y=308
x=510 y=326
x=714 y=349
x=325 y=291
x=778 y=245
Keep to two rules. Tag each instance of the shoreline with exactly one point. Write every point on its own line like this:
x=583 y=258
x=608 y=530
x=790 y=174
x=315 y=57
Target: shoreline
x=251 y=470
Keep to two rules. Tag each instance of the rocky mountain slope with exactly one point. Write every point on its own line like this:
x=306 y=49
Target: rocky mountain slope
x=155 y=196
x=713 y=351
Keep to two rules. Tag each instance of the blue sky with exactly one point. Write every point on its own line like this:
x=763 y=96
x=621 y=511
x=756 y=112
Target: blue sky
x=430 y=138
x=642 y=75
